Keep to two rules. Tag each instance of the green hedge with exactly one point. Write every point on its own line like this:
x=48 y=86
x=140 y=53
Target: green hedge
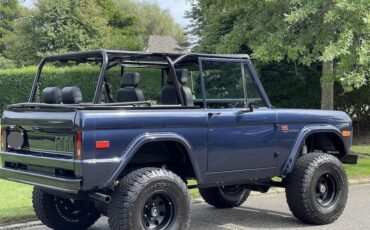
x=15 y=84
x=286 y=85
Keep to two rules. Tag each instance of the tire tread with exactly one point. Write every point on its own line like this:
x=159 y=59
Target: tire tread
x=128 y=189
x=298 y=185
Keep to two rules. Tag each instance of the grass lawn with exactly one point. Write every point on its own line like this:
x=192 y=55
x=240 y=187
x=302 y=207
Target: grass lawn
x=15 y=202
x=361 y=170
x=15 y=199
x=364 y=149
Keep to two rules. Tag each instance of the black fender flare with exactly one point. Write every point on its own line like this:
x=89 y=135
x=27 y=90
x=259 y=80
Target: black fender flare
x=142 y=139
x=302 y=135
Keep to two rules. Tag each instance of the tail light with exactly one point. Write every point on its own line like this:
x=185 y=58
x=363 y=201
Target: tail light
x=2 y=139
x=79 y=145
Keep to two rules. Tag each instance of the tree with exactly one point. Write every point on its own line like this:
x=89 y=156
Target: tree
x=74 y=25
x=151 y=19
x=55 y=27
x=335 y=33
x=10 y=10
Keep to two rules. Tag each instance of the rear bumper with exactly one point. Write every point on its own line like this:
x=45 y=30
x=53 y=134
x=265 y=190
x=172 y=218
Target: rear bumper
x=88 y=174
x=40 y=179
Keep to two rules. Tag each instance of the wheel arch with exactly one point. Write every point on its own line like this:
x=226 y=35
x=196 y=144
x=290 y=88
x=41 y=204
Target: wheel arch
x=335 y=137
x=148 y=138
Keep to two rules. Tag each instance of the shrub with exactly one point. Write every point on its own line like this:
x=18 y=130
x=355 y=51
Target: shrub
x=15 y=84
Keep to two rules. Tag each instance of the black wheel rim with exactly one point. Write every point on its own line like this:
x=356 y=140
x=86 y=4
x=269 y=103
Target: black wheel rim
x=72 y=209
x=158 y=212
x=326 y=190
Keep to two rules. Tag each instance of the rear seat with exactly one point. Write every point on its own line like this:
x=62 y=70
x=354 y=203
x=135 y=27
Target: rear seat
x=52 y=95
x=71 y=95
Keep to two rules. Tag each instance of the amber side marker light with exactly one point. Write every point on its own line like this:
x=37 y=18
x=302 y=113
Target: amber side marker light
x=346 y=133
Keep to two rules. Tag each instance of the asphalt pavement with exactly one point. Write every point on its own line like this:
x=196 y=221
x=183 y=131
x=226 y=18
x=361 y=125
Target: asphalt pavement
x=270 y=212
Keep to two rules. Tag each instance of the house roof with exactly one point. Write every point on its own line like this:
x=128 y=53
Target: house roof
x=163 y=44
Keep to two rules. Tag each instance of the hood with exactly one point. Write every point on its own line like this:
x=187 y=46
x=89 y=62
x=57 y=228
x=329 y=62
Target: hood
x=312 y=116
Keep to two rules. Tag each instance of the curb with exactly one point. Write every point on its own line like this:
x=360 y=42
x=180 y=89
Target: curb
x=273 y=191
x=21 y=225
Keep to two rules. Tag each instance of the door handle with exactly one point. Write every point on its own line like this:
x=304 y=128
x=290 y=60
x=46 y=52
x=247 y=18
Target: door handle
x=213 y=114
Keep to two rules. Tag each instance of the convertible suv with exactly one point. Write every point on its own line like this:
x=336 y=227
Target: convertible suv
x=124 y=137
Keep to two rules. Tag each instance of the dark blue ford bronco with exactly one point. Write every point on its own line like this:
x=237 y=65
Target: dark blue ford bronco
x=124 y=142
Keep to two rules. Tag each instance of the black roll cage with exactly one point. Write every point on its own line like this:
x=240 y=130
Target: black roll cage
x=111 y=58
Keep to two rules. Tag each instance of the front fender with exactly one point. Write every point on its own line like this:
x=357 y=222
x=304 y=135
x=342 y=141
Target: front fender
x=302 y=135
x=139 y=141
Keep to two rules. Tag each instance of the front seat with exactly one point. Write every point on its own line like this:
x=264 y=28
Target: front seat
x=169 y=93
x=129 y=91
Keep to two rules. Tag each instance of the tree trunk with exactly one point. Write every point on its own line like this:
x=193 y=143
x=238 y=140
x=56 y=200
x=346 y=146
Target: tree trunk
x=327 y=85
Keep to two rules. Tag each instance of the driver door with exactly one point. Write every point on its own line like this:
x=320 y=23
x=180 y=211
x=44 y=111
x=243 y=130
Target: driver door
x=241 y=140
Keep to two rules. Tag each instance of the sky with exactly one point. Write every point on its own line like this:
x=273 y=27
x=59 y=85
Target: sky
x=177 y=8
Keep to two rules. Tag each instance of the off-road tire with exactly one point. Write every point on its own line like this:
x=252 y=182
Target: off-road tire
x=48 y=209
x=221 y=198
x=132 y=194
x=305 y=194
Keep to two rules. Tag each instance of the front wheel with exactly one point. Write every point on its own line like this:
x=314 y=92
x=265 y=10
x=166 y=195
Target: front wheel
x=150 y=198
x=60 y=213
x=317 y=188
x=225 y=196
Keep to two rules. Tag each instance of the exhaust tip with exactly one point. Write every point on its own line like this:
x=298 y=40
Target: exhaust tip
x=100 y=197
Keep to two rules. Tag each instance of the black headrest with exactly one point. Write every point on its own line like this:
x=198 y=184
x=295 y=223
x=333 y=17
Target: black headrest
x=130 y=79
x=71 y=95
x=52 y=95
x=182 y=76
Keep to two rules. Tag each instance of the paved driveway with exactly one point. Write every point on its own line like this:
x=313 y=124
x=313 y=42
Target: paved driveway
x=272 y=212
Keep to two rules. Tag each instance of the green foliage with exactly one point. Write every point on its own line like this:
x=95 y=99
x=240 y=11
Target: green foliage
x=9 y=11
x=68 y=25
x=146 y=18
x=56 y=27
x=357 y=104
x=290 y=86
x=303 y=31
x=15 y=85
x=6 y=63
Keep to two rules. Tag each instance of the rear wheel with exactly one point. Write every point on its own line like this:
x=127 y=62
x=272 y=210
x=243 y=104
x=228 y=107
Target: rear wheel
x=60 y=213
x=317 y=189
x=150 y=198
x=225 y=196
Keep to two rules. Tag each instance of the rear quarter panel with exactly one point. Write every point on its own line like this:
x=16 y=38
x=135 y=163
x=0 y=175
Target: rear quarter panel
x=122 y=127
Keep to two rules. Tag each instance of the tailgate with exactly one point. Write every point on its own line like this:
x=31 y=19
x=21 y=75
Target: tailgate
x=49 y=134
